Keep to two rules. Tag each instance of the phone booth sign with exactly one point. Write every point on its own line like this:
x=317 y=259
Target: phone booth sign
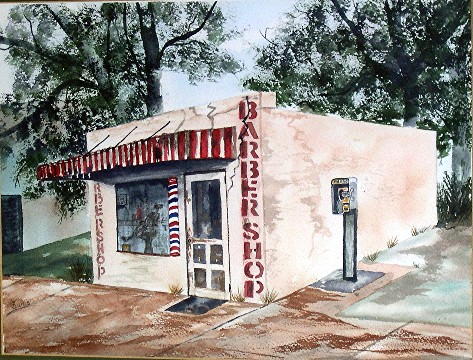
x=344 y=195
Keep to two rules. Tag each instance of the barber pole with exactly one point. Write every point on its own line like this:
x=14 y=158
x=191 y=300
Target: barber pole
x=174 y=242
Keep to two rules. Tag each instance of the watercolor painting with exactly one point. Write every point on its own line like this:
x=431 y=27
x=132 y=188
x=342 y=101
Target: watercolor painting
x=237 y=179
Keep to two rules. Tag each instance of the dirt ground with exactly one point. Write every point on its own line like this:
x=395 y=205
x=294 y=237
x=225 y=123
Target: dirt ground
x=49 y=317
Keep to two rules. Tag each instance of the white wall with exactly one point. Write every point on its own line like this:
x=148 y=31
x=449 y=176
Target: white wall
x=42 y=223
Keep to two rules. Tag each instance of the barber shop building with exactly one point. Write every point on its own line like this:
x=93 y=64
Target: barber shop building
x=237 y=196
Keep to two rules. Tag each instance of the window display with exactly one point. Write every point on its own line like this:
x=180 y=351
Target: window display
x=142 y=217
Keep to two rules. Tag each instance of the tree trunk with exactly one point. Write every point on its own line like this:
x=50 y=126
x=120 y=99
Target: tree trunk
x=461 y=155
x=154 y=98
x=411 y=105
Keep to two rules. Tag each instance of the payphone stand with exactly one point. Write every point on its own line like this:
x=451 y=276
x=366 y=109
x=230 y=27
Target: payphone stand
x=344 y=201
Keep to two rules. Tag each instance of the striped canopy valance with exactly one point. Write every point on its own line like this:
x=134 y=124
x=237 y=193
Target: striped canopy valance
x=182 y=145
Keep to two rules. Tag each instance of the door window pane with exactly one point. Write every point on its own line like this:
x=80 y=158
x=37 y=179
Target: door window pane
x=216 y=254
x=207 y=209
x=200 y=279
x=218 y=280
x=142 y=217
x=199 y=253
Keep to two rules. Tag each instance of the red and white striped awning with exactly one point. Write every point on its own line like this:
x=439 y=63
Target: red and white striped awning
x=182 y=145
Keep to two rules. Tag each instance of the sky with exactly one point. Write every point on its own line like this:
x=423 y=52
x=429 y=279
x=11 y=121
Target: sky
x=251 y=18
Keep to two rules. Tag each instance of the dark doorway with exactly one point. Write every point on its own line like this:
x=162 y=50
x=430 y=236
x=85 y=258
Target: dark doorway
x=12 y=224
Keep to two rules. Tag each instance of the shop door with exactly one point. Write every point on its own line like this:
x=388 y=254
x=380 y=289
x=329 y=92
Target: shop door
x=207 y=235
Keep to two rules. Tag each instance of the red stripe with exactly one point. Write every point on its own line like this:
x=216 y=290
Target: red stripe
x=144 y=152
x=129 y=159
x=126 y=150
x=137 y=153
x=175 y=248
x=181 y=145
x=192 y=144
x=120 y=155
x=158 y=150
x=227 y=141
x=95 y=162
x=174 y=236
x=172 y=147
x=114 y=157
x=174 y=192
x=172 y=181
x=101 y=160
x=216 y=136
x=204 y=144
x=174 y=223
x=151 y=148
x=165 y=148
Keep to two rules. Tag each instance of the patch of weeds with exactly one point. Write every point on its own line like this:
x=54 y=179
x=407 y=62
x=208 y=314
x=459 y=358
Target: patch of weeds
x=416 y=265
x=269 y=297
x=175 y=289
x=392 y=242
x=372 y=257
x=416 y=231
x=238 y=297
x=453 y=200
x=80 y=270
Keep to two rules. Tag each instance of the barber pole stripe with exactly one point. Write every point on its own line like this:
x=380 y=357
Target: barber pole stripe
x=173 y=198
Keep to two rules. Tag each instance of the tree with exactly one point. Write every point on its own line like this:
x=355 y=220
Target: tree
x=95 y=67
x=393 y=61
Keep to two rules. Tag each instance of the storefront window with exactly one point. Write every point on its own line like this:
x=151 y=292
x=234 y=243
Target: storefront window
x=142 y=217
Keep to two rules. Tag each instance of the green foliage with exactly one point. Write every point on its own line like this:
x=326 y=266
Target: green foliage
x=51 y=260
x=93 y=66
x=80 y=270
x=453 y=200
x=391 y=62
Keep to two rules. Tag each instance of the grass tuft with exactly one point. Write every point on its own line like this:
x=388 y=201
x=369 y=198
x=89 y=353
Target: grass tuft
x=175 y=289
x=416 y=231
x=80 y=270
x=238 y=297
x=269 y=297
x=372 y=257
x=392 y=242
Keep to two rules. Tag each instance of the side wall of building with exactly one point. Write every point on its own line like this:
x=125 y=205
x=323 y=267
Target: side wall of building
x=302 y=153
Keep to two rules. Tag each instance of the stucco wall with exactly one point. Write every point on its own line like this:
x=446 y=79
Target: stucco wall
x=156 y=272
x=396 y=171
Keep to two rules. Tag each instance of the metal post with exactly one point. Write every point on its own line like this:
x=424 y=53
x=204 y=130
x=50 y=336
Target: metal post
x=349 y=245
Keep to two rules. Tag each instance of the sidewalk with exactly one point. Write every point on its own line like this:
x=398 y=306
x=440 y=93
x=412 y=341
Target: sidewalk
x=50 y=317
